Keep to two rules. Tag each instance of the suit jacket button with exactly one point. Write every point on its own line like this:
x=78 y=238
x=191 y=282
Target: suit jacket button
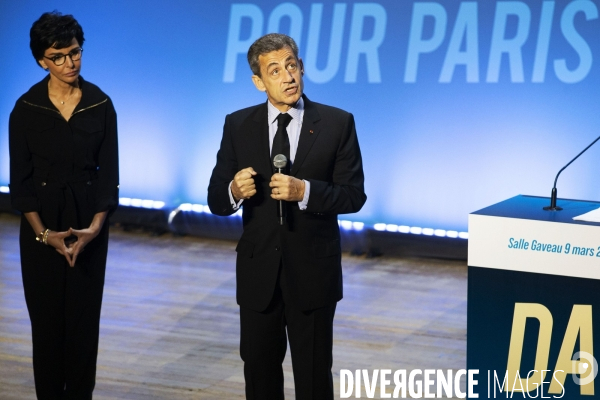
x=43 y=183
x=277 y=248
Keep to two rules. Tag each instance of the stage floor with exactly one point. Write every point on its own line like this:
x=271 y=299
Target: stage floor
x=170 y=328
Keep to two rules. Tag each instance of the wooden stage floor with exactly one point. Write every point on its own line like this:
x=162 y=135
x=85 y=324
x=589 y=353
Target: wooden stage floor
x=170 y=329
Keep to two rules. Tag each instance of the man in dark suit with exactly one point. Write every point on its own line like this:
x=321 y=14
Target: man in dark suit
x=289 y=275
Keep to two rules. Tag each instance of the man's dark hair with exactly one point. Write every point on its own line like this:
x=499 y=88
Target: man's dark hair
x=53 y=30
x=266 y=44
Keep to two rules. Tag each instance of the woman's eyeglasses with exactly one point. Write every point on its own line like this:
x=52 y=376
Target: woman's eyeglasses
x=59 y=59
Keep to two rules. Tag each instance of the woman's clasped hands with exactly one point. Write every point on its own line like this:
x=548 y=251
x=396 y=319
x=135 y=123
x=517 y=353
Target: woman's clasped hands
x=71 y=243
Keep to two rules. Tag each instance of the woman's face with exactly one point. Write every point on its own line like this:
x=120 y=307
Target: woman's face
x=68 y=72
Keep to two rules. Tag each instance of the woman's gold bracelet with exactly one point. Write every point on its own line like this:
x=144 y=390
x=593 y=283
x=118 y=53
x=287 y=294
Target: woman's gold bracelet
x=43 y=237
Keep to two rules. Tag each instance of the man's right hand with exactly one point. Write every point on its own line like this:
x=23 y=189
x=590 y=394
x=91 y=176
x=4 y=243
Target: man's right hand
x=243 y=186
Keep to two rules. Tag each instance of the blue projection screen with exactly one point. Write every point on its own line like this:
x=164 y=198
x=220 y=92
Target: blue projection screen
x=458 y=104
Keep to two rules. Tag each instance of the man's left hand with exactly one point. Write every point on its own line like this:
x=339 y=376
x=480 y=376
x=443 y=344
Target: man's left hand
x=285 y=187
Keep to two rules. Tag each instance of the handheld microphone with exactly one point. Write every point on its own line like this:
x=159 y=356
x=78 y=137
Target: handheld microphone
x=280 y=163
x=553 y=206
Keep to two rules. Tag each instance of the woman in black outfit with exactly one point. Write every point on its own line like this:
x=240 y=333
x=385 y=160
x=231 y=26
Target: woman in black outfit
x=64 y=180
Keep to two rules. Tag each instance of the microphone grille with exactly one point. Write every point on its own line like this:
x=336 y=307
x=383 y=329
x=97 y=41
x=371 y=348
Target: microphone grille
x=280 y=161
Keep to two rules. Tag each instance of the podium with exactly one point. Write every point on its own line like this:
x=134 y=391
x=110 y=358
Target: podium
x=533 y=299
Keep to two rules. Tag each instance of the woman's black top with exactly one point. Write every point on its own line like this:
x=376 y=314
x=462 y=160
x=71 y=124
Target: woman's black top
x=67 y=171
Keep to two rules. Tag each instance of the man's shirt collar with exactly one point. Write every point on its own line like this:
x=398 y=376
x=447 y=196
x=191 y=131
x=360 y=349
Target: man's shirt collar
x=295 y=112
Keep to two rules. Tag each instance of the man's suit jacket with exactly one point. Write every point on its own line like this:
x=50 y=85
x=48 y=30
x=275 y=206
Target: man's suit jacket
x=328 y=156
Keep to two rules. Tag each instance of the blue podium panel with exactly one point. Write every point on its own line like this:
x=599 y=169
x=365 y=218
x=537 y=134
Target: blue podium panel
x=533 y=298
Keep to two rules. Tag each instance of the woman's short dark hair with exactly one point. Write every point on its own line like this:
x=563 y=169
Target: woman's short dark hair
x=266 y=44
x=53 y=30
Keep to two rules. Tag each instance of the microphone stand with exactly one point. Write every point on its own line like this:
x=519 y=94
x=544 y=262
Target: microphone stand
x=553 y=206
x=280 y=163
x=281 y=210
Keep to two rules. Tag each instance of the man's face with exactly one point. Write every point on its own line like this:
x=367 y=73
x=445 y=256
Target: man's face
x=281 y=78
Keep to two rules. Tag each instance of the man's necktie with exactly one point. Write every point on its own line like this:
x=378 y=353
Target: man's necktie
x=281 y=141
